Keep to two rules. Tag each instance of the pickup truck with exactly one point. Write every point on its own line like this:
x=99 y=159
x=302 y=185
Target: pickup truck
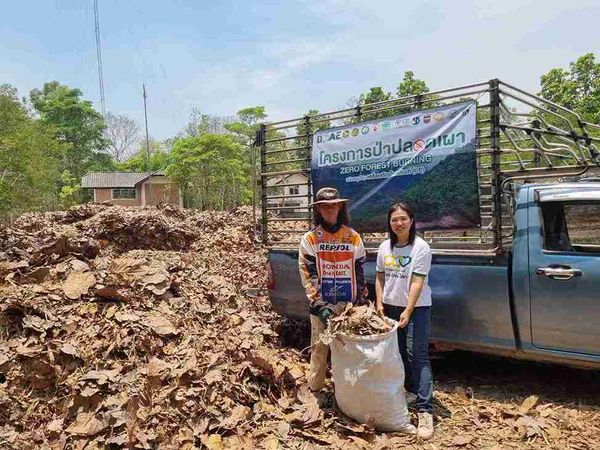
x=524 y=282
x=540 y=301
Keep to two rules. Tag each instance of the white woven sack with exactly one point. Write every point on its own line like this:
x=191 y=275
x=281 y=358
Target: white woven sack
x=369 y=379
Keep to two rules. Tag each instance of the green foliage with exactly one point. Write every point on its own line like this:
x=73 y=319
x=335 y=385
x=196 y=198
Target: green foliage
x=322 y=124
x=138 y=162
x=247 y=123
x=375 y=95
x=29 y=158
x=409 y=86
x=211 y=170
x=75 y=122
x=70 y=193
x=577 y=89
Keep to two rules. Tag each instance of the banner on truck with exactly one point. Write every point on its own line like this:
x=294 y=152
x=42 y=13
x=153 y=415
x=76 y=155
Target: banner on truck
x=424 y=158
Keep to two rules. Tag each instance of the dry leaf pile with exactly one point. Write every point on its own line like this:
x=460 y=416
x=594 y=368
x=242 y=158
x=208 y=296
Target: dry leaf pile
x=358 y=321
x=150 y=328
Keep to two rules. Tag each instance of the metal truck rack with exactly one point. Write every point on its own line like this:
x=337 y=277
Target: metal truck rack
x=520 y=138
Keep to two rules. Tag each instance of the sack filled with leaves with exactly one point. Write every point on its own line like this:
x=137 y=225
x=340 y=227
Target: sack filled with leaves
x=368 y=373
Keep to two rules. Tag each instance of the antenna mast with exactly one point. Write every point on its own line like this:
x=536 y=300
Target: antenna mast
x=99 y=59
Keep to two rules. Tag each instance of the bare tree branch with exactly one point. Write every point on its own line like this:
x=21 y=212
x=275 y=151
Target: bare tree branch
x=122 y=133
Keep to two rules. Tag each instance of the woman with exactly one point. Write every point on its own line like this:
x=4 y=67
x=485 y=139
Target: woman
x=331 y=259
x=403 y=294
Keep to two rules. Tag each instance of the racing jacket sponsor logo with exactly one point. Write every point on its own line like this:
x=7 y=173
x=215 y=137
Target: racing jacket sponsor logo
x=334 y=247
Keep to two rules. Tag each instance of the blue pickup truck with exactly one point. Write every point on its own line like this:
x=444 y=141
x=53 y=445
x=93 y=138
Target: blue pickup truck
x=524 y=280
x=540 y=301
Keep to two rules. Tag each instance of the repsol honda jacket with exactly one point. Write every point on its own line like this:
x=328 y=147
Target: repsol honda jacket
x=331 y=266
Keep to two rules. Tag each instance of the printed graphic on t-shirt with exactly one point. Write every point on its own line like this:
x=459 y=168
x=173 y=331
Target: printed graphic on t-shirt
x=392 y=262
x=399 y=264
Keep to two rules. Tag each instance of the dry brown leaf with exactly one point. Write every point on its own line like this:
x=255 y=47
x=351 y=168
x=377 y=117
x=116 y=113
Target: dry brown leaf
x=528 y=403
x=239 y=414
x=213 y=442
x=111 y=293
x=79 y=266
x=213 y=376
x=462 y=439
x=102 y=376
x=55 y=425
x=160 y=325
x=271 y=443
x=78 y=284
x=69 y=349
x=126 y=317
x=158 y=368
x=87 y=424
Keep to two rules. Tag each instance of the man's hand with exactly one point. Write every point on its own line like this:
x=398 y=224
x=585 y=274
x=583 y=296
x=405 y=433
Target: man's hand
x=325 y=314
x=379 y=309
x=404 y=318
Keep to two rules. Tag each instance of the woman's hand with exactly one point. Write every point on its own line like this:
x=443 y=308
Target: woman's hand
x=379 y=309
x=404 y=318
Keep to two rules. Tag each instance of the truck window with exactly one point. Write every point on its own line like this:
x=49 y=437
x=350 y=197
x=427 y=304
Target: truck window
x=572 y=227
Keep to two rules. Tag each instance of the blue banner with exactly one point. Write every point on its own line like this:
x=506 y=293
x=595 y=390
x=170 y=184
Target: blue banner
x=425 y=158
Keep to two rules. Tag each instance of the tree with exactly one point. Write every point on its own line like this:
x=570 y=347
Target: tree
x=29 y=158
x=302 y=129
x=210 y=170
x=577 y=89
x=245 y=129
x=122 y=134
x=413 y=86
x=75 y=122
x=375 y=95
x=138 y=162
x=247 y=123
x=200 y=123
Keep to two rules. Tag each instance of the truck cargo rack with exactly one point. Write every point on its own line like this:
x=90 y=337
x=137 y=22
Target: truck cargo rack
x=521 y=138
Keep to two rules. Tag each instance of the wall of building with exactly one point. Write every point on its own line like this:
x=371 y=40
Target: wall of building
x=300 y=189
x=105 y=195
x=155 y=193
x=155 y=190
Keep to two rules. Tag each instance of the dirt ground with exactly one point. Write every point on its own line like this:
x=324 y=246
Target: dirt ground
x=479 y=400
x=151 y=328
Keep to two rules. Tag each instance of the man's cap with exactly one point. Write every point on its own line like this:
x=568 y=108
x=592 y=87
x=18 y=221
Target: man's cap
x=328 y=195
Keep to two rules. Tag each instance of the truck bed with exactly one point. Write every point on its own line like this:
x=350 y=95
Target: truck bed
x=470 y=293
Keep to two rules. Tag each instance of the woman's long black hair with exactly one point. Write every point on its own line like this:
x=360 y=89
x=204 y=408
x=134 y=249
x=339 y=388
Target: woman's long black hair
x=413 y=227
x=343 y=217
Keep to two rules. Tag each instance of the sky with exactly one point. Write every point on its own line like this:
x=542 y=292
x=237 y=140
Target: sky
x=289 y=56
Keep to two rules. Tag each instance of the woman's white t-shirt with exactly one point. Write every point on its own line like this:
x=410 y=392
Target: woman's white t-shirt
x=399 y=264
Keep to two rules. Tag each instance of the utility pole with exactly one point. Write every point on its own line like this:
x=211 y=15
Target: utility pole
x=146 y=119
x=99 y=59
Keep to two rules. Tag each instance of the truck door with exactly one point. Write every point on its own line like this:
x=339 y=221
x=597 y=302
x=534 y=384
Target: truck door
x=564 y=269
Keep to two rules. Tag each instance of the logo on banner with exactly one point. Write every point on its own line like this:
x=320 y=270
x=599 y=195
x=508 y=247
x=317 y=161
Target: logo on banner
x=345 y=133
x=416 y=120
x=364 y=130
x=386 y=125
x=375 y=128
x=400 y=123
x=438 y=116
x=419 y=145
x=354 y=132
x=427 y=118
